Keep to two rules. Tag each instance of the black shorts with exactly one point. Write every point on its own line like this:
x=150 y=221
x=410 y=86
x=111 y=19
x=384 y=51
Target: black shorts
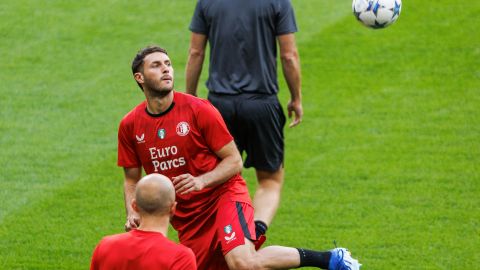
x=256 y=122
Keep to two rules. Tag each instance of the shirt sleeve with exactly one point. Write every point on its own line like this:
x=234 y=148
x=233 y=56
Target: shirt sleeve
x=185 y=260
x=199 y=23
x=285 y=18
x=212 y=127
x=127 y=156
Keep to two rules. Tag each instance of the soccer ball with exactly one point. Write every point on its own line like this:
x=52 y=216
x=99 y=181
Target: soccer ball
x=377 y=13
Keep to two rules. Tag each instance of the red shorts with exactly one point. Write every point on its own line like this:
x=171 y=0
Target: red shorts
x=221 y=230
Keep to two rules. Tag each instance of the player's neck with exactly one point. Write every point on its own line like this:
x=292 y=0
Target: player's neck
x=159 y=104
x=154 y=224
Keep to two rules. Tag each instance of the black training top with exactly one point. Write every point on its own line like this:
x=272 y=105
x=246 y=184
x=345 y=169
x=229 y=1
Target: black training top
x=242 y=36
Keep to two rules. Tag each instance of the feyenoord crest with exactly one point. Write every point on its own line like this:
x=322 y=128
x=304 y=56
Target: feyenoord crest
x=183 y=128
x=161 y=133
x=227 y=229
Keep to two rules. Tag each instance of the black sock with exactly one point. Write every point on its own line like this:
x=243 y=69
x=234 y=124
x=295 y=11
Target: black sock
x=260 y=228
x=314 y=258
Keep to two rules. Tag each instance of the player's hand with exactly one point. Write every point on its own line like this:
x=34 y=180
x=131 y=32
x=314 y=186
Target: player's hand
x=133 y=221
x=186 y=183
x=295 y=107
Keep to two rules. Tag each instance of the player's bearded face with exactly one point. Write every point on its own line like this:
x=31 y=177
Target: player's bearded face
x=160 y=85
x=158 y=73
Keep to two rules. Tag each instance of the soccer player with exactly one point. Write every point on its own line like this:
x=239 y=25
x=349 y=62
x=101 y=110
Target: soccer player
x=146 y=247
x=185 y=138
x=242 y=83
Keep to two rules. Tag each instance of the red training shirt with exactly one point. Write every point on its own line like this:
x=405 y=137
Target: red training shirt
x=141 y=250
x=181 y=140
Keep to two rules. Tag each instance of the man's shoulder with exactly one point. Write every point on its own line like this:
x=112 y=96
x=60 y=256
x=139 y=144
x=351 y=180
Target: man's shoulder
x=114 y=238
x=179 y=248
x=129 y=117
x=194 y=102
x=182 y=253
x=175 y=249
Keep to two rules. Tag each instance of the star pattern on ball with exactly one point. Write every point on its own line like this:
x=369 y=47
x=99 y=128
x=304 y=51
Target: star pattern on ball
x=396 y=9
x=375 y=8
x=370 y=6
x=376 y=13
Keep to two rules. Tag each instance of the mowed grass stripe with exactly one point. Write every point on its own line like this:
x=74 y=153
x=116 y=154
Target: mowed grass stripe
x=60 y=231
x=314 y=16
x=385 y=161
x=67 y=84
x=394 y=154
x=68 y=94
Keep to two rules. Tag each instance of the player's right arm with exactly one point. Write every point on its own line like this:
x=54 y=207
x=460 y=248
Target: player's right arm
x=132 y=176
x=131 y=164
x=196 y=55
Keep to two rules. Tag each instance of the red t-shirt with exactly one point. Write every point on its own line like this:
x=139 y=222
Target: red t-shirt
x=181 y=140
x=141 y=250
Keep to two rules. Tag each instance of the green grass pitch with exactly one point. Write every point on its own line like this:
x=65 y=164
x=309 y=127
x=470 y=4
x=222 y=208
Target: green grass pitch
x=386 y=161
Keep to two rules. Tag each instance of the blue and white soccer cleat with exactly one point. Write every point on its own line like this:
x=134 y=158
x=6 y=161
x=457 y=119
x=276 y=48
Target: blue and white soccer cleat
x=342 y=260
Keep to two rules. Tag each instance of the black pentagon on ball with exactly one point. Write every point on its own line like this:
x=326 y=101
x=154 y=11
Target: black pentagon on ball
x=378 y=25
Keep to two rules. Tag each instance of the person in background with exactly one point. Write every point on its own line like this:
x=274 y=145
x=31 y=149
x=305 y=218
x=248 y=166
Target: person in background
x=242 y=83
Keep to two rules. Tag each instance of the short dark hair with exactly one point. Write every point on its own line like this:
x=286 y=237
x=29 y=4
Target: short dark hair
x=137 y=63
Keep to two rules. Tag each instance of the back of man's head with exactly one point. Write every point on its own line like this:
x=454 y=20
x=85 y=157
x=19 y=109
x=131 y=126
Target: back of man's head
x=155 y=195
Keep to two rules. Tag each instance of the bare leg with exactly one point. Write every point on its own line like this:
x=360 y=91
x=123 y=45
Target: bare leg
x=245 y=257
x=271 y=257
x=267 y=196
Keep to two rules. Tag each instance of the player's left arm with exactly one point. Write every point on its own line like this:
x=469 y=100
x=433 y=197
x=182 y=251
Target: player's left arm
x=231 y=164
x=291 y=71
